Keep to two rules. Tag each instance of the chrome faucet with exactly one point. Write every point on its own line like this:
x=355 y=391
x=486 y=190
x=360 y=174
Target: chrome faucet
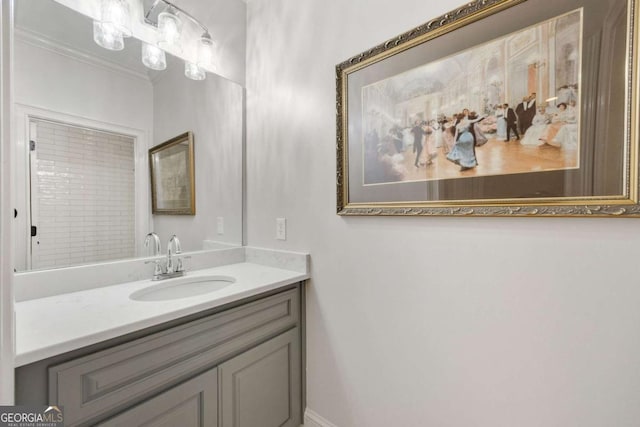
x=155 y=249
x=174 y=242
x=173 y=267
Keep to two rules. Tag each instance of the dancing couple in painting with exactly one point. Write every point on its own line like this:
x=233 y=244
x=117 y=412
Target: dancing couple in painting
x=466 y=138
x=423 y=136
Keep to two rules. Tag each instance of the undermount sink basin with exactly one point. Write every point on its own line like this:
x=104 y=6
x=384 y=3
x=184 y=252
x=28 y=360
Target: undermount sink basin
x=183 y=287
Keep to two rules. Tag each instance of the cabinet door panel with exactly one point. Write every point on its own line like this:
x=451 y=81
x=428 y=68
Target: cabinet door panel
x=261 y=387
x=193 y=403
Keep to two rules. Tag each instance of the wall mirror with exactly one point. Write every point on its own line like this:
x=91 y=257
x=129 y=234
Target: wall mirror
x=85 y=119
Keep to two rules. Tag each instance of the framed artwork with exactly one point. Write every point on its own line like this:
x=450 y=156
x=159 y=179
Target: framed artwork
x=498 y=108
x=171 y=163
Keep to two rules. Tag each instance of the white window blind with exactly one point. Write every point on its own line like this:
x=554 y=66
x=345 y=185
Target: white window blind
x=82 y=195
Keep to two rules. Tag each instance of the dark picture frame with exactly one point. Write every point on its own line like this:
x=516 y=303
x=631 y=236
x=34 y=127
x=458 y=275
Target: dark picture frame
x=572 y=63
x=172 y=169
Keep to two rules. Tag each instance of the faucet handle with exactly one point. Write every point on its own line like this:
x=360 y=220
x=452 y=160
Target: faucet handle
x=158 y=269
x=179 y=266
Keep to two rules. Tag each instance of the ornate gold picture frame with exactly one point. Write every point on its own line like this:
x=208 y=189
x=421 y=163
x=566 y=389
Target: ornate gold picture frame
x=172 y=167
x=498 y=108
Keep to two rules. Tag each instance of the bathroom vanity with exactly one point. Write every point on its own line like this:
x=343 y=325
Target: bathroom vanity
x=233 y=357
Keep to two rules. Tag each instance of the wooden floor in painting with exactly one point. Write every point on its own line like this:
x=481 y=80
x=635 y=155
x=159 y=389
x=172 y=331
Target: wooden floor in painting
x=496 y=157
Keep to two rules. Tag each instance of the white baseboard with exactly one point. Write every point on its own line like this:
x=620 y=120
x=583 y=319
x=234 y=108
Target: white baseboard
x=311 y=419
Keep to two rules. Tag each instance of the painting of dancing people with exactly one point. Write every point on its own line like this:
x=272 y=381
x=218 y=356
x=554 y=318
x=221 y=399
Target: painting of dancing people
x=507 y=106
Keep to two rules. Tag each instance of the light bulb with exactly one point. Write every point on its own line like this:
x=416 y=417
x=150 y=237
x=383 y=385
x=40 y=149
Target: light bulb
x=194 y=72
x=170 y=31
x=107 y=36
x=153 y=57
x=206 y=52
x=116 y=13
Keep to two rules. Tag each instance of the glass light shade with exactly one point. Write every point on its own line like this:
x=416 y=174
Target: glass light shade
x=116 y=13
x=153 y=57
x=170 y=31
x=107 y=36
x=194 y=72
x=206 y=49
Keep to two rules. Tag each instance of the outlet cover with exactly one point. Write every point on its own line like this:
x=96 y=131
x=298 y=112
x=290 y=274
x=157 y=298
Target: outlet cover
x=281 y=228
x=220 y=225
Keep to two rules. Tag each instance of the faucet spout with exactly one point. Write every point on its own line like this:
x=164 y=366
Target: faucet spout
x=155 y=248
x=156 y=243
x=174 y=243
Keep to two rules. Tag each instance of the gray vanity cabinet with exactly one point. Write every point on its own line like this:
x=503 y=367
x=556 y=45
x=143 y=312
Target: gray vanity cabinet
x=260 y=387
x=236 y=366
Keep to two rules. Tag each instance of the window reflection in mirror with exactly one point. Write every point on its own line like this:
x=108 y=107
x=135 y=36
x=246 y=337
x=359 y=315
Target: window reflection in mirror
x=82 y=195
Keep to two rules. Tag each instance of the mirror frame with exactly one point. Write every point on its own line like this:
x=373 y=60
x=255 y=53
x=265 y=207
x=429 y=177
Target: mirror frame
x=187 y=174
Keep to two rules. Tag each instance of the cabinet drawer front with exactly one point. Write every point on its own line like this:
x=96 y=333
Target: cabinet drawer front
x=193 y=403
x=101 y=383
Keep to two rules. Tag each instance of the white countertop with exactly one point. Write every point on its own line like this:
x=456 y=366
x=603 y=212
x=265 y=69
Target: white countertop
x=53 y=325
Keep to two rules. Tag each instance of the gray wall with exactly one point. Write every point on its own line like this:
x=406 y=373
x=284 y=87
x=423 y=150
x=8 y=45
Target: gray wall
x=429 y=321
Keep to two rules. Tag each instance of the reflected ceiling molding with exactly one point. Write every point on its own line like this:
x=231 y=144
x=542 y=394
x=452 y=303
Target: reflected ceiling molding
x=42 y=41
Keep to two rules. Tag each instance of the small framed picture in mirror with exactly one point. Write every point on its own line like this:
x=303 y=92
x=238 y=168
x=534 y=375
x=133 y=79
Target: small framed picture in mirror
x=171 y=164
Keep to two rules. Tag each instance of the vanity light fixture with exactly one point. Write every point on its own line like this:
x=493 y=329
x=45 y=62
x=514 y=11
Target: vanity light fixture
x=169 y=29
x=169 y=21
x=193 y=71
x=196 y=71
x=205 y=51
x=153 y=57
x=107 y=36
x=114 y=24
x=116 y=13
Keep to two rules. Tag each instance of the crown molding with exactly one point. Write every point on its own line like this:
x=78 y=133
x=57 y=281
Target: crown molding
x=42 y=41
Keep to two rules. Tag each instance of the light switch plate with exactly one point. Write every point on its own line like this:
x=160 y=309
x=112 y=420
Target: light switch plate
x=281 y=228
x=220 y=225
